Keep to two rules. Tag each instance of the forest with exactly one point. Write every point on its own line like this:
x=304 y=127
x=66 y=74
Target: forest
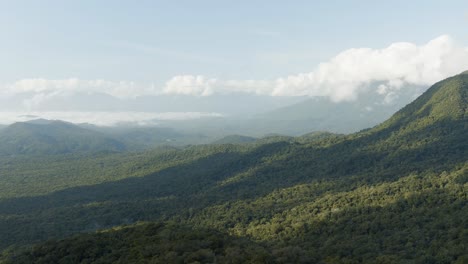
x=394 y=193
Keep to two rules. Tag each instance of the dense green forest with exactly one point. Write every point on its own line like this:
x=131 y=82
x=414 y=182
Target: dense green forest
x=395 y=193
x=55 y=137
x=234 y=139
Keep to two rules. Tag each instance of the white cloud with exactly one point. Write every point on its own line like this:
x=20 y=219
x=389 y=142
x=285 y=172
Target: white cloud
x=348 y=74
x=344 y=77
x=190 y=85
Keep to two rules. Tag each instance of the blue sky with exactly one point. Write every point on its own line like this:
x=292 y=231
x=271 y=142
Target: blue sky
x=102 y=55
x=155 y=40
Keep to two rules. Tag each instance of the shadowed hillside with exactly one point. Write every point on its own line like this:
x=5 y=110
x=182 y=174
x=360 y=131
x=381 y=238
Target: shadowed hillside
x=390 y=194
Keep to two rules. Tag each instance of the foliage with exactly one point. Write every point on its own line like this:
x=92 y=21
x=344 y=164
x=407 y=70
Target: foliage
x=234 y=139
x=393 y=193
x=148 y=243
x=55 y=137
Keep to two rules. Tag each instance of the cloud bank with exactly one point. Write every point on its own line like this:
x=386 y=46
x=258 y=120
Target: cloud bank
x=344 y=77
x=73 y=85
x=349 y=74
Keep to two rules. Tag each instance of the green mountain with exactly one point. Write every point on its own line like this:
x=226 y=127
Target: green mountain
x=445 y=101
x=438 y=118
x=235 y=139
x=53 y=137
x=140 y=138
x=395 y=193
x=318 y=136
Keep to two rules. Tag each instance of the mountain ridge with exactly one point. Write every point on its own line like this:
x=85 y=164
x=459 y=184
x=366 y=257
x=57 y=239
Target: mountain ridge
x=445 y=99
x=53 y=137
x=235 y=139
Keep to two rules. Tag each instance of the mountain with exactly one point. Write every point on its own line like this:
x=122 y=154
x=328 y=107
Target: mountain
x=234 y=139
x=53 y=137
x=312 y=114
x=318 y=136
x=141 y=137
x=438 y=117
x=322 y=114
x=445 y=101
x=394 y=193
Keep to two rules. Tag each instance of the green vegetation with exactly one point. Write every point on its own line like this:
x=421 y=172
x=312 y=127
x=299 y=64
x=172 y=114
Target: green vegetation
x=396 y=193
x=149 y=243
x=141 y=138
x=235 y=139
x=53 y=137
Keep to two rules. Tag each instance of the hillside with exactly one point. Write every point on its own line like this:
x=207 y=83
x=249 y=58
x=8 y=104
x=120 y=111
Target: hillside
x=394 y=193
x=41 y=137
x=141 y=137
x=168 y=243
x=234 y=139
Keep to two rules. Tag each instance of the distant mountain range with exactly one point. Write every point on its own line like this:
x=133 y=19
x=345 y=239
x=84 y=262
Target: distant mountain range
x=316 y=114
x=53 y=137
x=235 y=139
x=312 y=114
x=254 y=116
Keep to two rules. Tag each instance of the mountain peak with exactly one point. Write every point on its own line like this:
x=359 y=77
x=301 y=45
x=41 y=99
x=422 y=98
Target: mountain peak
x=445 y=100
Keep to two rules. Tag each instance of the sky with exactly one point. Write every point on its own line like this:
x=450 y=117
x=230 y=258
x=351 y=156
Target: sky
x=54 y=50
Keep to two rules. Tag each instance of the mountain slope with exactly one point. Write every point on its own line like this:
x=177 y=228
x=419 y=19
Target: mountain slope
x=447 y=99
x=53 y=137
x=393 y=193
x=320 y=113
x=141 y=138
x=151 y=243
x=235 y=139
x=437 y=119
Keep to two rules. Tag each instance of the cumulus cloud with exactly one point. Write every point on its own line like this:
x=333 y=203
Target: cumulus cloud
x=344 y=77
x=349 y=74
x=190 y=85
x=202 y=86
